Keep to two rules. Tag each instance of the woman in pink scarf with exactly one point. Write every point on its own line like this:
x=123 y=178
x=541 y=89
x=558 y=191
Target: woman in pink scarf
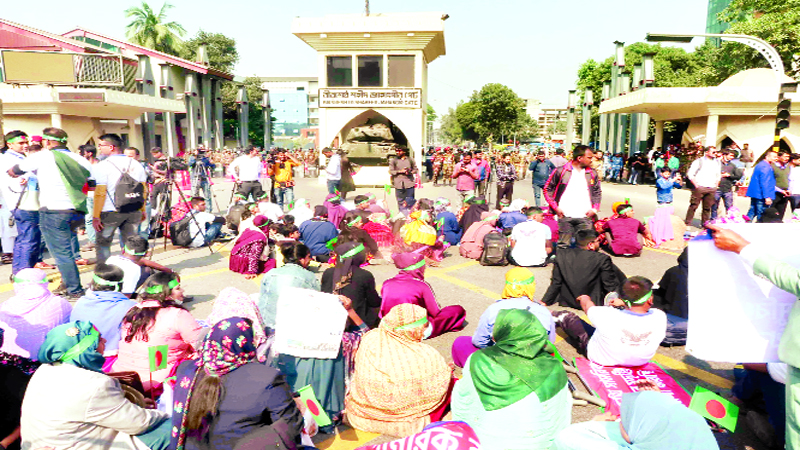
x=250 y=253
x=409 y=286
x=336 y=211
x=30 y=314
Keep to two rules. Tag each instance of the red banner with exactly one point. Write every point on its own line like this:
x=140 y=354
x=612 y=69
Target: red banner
x=609 y=383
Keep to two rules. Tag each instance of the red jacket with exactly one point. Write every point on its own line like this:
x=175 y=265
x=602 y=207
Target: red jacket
x=557 y=183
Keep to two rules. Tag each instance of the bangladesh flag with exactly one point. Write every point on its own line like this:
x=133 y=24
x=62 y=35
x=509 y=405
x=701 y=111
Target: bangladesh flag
x=714 y=408
x=310 y=400
x=158 y=357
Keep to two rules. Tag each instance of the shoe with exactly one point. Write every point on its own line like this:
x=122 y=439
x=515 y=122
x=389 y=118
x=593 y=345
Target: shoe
x=224 y=238
x=60 y=290
x=74 y=296
x=43 y=265
x=85 y=262
x=87 y=248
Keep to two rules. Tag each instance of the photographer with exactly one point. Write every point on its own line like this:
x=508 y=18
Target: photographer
x=202 y=168
x=281 y=173
x=402 y=169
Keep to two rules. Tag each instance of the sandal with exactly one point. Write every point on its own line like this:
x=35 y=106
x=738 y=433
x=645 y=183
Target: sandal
x=7 y=258
x=85 y=262
x=43 y=265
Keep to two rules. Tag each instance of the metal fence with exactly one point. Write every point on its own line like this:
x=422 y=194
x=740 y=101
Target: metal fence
x=66 y=69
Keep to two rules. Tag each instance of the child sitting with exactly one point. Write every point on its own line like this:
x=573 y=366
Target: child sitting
x=625 y=235
x=628 y=336
x=664 y=185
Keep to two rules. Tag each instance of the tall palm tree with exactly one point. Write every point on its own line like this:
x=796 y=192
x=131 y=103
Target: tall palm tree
x=152 y=30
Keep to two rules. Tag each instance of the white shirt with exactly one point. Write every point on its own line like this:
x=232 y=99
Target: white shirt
x=334 y=168
x=705 y=172
x=249 y=168
x=575 y=201
x=794 y=180
x=52 y=191
x=529 y=243
x=132 y=271
x=108 y=172
x=625 y=338
x=199 y=237
x=10 y=187
x=272 y=211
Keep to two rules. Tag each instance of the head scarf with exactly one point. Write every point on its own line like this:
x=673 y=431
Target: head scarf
x=517 y=205
x=232 y=302
x=397 y=377
x=473 y=213
x=30 y=287
x=656 y=421
x=261 y=222
x=349 y=255
x=520 y=282
x=73 y=343
x=440 y=205
x=517 y=364
x=228 y=346
x=410 y=263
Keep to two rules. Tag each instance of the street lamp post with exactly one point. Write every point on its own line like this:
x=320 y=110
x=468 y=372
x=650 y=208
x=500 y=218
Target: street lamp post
x=571 y=103
x=265 y=105
x=586 y=120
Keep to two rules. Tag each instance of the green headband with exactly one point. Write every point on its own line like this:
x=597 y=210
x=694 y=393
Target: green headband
x=47 y=137
x=25 y=280
x=354 y=221
x=415 y=324
x=420 y=263
x=641 y=301
x=490 y=218
x=371 y=196
x=159 y=288
x=103 y=282
x=626 y=210
x=131 y=252
x=334 y=198
x=363 y=201
x=15 y=139
x=468 y=198
x=424 y=215
x=353 y=251
x=530 y=280
x=81 y=346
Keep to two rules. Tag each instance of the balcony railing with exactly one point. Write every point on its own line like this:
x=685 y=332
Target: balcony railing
x=62 y=68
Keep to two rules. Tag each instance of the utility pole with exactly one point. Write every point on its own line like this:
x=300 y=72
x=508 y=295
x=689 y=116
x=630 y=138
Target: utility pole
x=586 y=125
x=267 y=110
x=571 y=103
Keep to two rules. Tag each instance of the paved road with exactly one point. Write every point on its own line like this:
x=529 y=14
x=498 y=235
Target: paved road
x=457 y=281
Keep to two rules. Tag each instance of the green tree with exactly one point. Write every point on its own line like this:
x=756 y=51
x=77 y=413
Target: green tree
x=152 y=30
x=222 y=53
x=256 y=112
x=498 y=110
x=467 y=118
x=450 y=129
x=557 y=127
x=431 y=113
x=527 y=127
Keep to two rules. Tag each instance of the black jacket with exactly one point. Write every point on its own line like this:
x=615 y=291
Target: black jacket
x=579 y=272
x=672 y=295
x=361 y=291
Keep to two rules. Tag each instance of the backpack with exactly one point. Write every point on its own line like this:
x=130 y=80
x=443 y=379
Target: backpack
x=179 y=232
x=129 y=193
x=495 y=248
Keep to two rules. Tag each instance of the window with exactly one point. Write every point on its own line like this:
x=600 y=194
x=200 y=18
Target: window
x=340 y=71
x=370 y=71
x=401 y=70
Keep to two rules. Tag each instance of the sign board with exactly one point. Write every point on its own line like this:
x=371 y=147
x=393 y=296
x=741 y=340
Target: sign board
x=309 y=324
x=370 y=98
x=67 y=97
x=734 y=315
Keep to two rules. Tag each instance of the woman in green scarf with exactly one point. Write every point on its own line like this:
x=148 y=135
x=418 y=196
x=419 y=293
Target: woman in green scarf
x=514 y=394
x=71 y=403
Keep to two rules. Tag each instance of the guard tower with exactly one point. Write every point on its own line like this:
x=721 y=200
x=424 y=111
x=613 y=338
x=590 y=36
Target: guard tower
x=373 y=83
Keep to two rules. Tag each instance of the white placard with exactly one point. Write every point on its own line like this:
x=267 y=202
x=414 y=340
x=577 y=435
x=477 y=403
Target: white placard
x=309 y=324
x=734 y=315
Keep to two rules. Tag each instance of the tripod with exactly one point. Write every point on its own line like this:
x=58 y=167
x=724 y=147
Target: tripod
x=164 y=201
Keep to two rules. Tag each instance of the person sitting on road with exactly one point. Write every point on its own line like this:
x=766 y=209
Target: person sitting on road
x=400 y=384
x=333 y=202
x=294 y=273
x=205 y=227
x=627 y=337
x=514 y=394
x=251 y=251
x=665 y=183
x=472 y=242
x=349 y=279
x=625 y=235
x=512 y=215
x=409 y=286
x=530 y=241
x=351 y=230
x=447 y=222
x=317 y=232
x=301 y=211
x=133 y=263
x=582 y=271
x=158 y=319
x=518 y=293
x=672 y=297
x=474 y=212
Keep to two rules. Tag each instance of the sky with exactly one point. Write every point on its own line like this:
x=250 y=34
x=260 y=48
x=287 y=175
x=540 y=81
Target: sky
x=535 y=47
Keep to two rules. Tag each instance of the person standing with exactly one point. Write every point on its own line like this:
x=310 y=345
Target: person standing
x=794 y=181
x=465 y=174
x=402 y=169
x=747 y=156
x=28 y=246
x=111 y=212
x=540 y=170
x=62 y=175
x=573 y=192
x=559 y=160
x=333 y=170
x=483 y=169
x=11 y=192
x=781 y=167
x=246 y=170
x=201 y=169
x=729 y=177
x=705 y=174
x=89 y=152
x=506 y=176
x=281 y=173
x=761 y=189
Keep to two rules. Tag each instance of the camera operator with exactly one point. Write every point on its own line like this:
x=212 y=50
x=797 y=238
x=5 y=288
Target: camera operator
x=246 y=170
x=283 y=181
x=202 y=168
x=402 y=169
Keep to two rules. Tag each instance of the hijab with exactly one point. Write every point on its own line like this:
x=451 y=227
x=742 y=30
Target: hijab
x=520 y=282
x=73 y=343
x=656 y=421
x=301 y=210
x=441 y=205
x=232 y=302
x=517 y=205
x=348 y=256
x=335 y=210
x=229 y=345
x=473 y=213
x=518 y=363
x=411 y=263
x=398 y=377
x=30 y=287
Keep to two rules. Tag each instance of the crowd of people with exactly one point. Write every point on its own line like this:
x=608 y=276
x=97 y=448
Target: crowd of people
x=125 y=365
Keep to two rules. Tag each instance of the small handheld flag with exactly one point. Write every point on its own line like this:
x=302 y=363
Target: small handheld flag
x=387 y=188
x=310 y=400
x=158 y=357
x=714 y=408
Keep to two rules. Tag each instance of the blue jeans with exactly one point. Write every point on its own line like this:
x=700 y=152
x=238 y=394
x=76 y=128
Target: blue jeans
x=58 y=229
x=537 y=194
x=212 y=231
x=750 y=382
x=89 y=220
x=405 y=195
x=333 y=186
x=285 y=196
x=757 y=207
x=205 y=187
x=727 y=200
x=28 y=241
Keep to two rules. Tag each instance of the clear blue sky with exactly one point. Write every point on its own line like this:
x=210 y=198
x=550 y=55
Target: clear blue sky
x=533 y=46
